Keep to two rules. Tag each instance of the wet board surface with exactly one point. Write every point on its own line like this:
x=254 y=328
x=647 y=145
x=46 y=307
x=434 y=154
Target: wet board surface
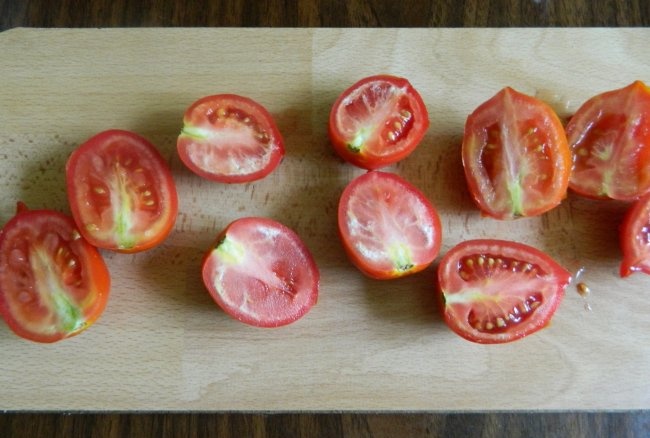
x=162 y=344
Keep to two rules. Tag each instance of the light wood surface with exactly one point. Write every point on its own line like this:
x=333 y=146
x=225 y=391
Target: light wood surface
x=163 y=345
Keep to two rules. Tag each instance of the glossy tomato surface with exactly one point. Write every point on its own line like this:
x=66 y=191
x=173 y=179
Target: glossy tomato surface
x=261 y=273
x=230 y=139
x=609 y=137
x=53 y=284
x=515 y=155
x=121 y=192
x=496 y=291
x=635 y=238
x=387 y=226
x=377 y=121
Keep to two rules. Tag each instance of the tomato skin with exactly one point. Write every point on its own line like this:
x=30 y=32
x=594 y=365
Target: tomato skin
x=253 y=139
x=388 y=228
x=53 y=283
x=372 y=144
x=497 y=291
x=635 y=238
x=121 y=192
x=261 y=273
x=609 y=137
x=515 y=156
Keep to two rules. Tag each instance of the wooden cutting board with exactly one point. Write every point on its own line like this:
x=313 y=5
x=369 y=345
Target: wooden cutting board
x=162 y=344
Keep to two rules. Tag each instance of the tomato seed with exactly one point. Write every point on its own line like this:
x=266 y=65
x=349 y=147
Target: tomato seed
x=583 y=289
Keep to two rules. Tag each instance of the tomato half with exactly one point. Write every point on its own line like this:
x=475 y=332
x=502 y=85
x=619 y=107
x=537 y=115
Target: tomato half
x=496 y=291
x=635 y=238
x=261 y=273
x=230 y=139
x=515 y=155
x=377 y=121
x=53 y=284
x=387 y=226
x=609 y=137
x=121 y=192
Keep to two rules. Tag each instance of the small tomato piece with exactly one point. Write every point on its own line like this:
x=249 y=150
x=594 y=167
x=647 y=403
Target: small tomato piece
x=635 y=238
x=53 y=283
x=377 y=121
x=230 y=139
x=387 y=226
x=121 y=192
x=609 y=137
x=515 y=155
x=261 y=273
x=497 y=291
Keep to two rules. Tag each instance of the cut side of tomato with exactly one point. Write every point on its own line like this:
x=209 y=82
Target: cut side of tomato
x=53 y=284
x=516 y=156
x=230 y=139
x=377 y=121
x=261 y=273
x=496 y=291
x=609 y=137
x=387 y=226
x=121 y=192
x=635 y=238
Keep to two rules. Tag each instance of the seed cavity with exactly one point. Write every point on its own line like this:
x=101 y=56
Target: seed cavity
x=493 y=322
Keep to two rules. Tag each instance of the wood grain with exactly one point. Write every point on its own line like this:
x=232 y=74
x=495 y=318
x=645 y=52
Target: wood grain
x=111 y=13
x=324 y=13
x=367 y=345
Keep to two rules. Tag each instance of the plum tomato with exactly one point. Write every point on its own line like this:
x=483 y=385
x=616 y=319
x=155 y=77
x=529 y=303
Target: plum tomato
x=635 y=238
x=53 y=283
x=121 y=192
x=516 y=156
x=261 y=273
x=387 y=226
x=609 y=138
x=377 y=121
x=230 y=139
x=496 y=291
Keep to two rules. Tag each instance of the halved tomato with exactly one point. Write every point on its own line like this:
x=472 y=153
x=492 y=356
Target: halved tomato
x=635 y=238
x=230 y=139
x=261 y=273
x=515 y=155
x=496 y=291
x=387 y=226
x=121 y=192
x=609 y=137
x=377 y=121
x=53 y=284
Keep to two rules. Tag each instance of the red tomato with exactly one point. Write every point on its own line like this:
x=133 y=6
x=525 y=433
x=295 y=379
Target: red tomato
x=388 y=227
x=121 y=192
x=496 y=291
x=230 y=139
x=609 y=137
x=53 y=284
x=515 y=155
x=261 y=273
x=635 y=238
x=377 y=121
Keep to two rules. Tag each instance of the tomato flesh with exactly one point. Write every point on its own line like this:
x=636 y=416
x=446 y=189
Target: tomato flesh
x=230 y=139
x=515 y=156
x=53 y=284
x=377 y=121
x=635 y=238
x=609 y=137
x=387 y=226
x=261 y=273
x=496 y=291
x=121 y=192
